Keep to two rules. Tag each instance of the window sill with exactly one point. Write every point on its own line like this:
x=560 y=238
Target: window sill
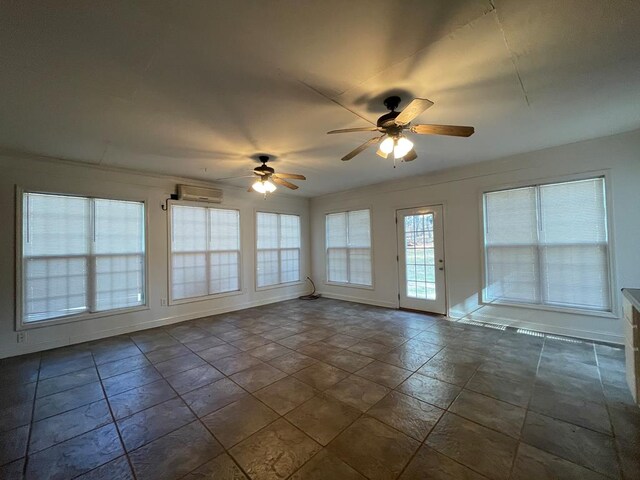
x=204 y=298
x=22 y=325
x=279 y=285
x=350 y=285
x=551 y=308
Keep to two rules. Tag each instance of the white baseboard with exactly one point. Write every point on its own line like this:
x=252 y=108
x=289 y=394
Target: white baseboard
x=159 y=322
x=349 y=298
x=454 y=315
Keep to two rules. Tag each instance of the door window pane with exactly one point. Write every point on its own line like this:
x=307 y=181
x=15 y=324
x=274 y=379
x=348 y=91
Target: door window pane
x=419 y=256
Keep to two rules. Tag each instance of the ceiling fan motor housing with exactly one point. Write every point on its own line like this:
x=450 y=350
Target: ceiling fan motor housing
x=387 y=120
x=263 y=169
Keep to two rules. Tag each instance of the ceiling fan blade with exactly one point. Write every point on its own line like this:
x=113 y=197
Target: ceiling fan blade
x=361 y=148
x=380 y=153
x=411 y=156
x=284 y=183
x=349 y=130
x=411 y=111
x=289 y=175
x=452 y=130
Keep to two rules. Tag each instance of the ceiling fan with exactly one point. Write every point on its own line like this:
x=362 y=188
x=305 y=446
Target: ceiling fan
x=266 y=174
x=393 y=124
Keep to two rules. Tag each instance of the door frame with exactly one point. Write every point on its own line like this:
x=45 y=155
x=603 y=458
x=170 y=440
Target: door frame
x=437 y=203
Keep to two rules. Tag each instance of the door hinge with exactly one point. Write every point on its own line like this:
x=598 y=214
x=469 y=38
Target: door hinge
x=397 y=258
x=396 y=220
x=398 y=296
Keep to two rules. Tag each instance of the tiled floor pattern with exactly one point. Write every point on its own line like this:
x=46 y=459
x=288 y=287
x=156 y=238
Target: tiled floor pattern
x=320 y=390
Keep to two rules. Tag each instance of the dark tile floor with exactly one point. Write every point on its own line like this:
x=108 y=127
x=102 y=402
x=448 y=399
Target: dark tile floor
x=320 y=390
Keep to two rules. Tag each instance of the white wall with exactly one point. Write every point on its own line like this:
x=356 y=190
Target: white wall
x=64 y=177
x=459 y=190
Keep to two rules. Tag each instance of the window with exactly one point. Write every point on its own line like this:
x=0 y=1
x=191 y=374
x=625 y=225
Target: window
x=548 y=245
x=348 y=240
x=278 y=245
x=205 y=251
x=80 y=255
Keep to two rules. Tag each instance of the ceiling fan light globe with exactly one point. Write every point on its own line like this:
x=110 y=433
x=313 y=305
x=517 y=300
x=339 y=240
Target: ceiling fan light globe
x=259 y=187
x=269 y=187
x=402 y=147
x=387 y=145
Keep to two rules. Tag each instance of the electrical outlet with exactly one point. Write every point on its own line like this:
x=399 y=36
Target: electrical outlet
x=163 y=302
x=22 y=337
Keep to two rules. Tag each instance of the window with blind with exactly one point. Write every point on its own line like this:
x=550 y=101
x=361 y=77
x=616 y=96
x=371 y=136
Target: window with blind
x=205 y=251
x=278 y=249
x=80 y=255
x=348 y=243
x=548 y=245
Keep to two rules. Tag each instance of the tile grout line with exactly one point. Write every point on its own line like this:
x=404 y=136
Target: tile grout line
x=33 y=412
x=527 y=409
x=606 y=405
x=115 y=424
x=198 y=419
x=423 y=443
x=308 y=326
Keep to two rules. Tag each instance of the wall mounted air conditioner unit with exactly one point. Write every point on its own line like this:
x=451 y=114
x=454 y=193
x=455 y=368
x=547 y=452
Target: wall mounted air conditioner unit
x=199 y=194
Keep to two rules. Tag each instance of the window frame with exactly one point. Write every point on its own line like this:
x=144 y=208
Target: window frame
x=20 y=324
x=201 y=298
x=255 y=251
x=613 y=312
x=326 y=263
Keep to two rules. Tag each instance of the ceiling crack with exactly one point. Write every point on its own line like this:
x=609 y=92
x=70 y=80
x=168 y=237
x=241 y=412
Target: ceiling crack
x=512 y=55
x=311 y=87
x=489 y=10
x=398 y=61
x=104 y=152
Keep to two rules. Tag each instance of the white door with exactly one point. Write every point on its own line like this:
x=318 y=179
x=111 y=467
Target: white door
x=421 y=259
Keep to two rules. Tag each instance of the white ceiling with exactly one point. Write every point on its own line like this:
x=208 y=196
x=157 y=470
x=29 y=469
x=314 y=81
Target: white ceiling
x=194 y=88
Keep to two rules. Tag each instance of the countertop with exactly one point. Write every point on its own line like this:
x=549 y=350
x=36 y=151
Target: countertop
x=633 y=295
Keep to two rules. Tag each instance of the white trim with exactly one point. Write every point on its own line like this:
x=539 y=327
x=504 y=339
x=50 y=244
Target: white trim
x=203 y=298
x=546 y=328
x=366 y=301
x=180 y=301
x=6 y=153
x=552 y=308
x=605 y=174
x=401 y=253
x=350 y=285
x=21 y=349
x=301 y=250
x=326 y=280
x=280 y=285
x=80 y=317
x=19 y=322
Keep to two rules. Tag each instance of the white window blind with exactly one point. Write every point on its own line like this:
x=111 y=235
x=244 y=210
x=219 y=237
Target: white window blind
x=348 y=243
x=80 y=255
x=278 y=249
x=548 y=245
x=205 y=251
